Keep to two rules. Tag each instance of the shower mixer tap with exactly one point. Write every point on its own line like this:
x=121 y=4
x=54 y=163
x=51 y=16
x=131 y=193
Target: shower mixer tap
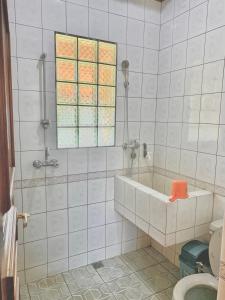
x=133 y=145
x=46 y=163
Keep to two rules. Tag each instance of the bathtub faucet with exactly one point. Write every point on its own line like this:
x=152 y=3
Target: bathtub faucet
x=133 y=145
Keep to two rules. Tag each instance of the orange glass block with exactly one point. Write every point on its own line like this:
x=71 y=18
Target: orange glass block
x=106 y=116
x=107 y=53
x=106 y=96
x=87 y=94
x=107 y=75
x=87 y=50
x=87 y=72
x=66 y=70
x=66 y=46
x=66 y=93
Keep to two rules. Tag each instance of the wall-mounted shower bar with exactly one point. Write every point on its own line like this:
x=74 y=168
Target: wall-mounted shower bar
x=44 y=122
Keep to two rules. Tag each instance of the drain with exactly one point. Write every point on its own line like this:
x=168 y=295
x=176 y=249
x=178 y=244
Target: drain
x=97 y=265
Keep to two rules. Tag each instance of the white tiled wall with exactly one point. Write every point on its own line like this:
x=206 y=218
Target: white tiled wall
x=73 y=221
x=190 y=112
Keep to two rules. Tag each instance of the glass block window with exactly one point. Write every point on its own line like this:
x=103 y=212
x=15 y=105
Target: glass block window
x=85 y=91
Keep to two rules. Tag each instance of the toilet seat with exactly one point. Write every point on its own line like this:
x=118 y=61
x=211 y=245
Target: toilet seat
x=191 y=281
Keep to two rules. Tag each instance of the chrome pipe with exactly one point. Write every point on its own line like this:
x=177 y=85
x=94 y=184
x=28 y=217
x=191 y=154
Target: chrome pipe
x=45 y=122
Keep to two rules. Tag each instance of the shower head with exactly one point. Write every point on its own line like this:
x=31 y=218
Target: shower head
x=125 y=64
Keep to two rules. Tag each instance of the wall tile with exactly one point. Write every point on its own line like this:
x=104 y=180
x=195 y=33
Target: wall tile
x=78 y=218
x=113 y=233
x=195 y=50
x=96 y=214
x=135 y=30
x=180 y=29
x=57 y=247
x=77 y=19
x=96 y=238
x=96 y=255
x=152 y=11
x=77 y=242
x=99 y=4
x=36 y=229
x=118 y=7
x=29 y=41
x=96 y=159
x=98 y=24
x=35 y=253
x=56 y=196
x=54 y=15
x=34 y=200
x=117 y=28
x=77 y=193
x=213 y=39
x=28 y=74
x=216 y=14
x=151 y=36
x=212 y=77
x=57 y=222
x=96 y=190
x=28 y=13
x=197 y=22
x=206 y=167
x=78 y=161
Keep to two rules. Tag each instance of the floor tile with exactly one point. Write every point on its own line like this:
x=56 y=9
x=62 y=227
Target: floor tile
x=113 y=268
x=165 y=295
x=141 y=275
x=155 y=254
x=157 y=278
x=24 y=294
x=82 y=278
x=129 y=288
x=171 y=268
x=138 y=260
x=100 y=292
x=51 y=288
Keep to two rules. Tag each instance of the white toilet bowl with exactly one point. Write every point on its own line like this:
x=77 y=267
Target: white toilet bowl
x=195 y=282
x=204 y=285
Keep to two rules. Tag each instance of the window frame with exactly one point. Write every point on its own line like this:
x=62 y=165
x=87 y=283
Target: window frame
x=96 y=85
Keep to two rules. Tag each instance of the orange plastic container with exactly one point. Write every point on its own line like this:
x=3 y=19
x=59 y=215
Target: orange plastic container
x=179 y=190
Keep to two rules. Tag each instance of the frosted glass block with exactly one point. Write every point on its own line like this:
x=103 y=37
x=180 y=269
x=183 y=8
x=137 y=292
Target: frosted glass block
x=87 y=137
x=66 y=116
x=66 y=93
x=106 y=136
x=107 y=75
x=66 y=46
x=67 y=137
x=87 y=72
x=66 y=70
x=87 y=50
x=106 y=96
x=87 y=116
x=106 y=116
x=107 y=53
x=87 y=94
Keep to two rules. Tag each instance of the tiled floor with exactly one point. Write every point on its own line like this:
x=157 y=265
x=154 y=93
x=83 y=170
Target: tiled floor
x=143 y=274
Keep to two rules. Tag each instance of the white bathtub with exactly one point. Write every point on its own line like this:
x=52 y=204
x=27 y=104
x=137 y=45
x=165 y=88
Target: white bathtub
x=168 y=223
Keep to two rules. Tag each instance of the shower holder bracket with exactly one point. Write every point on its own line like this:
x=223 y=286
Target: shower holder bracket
x=45 y=123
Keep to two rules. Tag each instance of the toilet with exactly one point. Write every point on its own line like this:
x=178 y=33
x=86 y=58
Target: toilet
x=203 y=285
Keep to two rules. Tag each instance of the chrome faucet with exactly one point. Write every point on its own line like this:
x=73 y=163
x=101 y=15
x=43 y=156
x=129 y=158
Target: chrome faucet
x=51 y=163
x=46 y=163
x=133 y=145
